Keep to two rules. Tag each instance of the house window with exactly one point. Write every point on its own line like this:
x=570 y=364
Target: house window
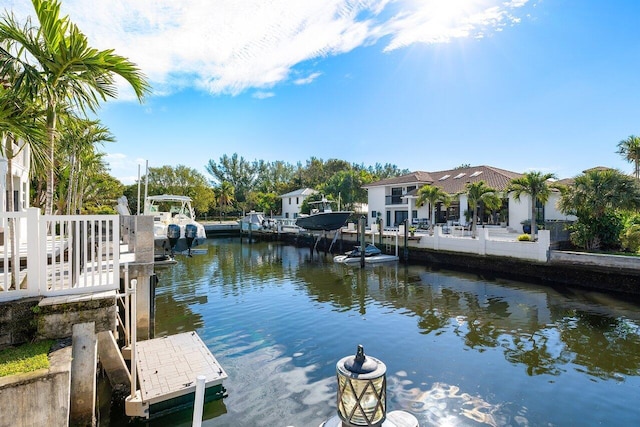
x=373 y=214
x=286 y=215
x=539 y=212
x=411 y=188
x=289 y=200
x=297 y=201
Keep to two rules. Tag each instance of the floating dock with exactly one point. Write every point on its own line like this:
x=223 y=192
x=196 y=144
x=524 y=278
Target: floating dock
x=167 y=370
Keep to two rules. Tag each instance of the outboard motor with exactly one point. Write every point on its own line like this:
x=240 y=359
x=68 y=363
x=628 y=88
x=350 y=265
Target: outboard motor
x=173 y=234
x=190 y=233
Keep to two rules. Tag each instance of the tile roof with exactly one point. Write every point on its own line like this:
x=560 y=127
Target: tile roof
x=454 y=181
x=418 y=177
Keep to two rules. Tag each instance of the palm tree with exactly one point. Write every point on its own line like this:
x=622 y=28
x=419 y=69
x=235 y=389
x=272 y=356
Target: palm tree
x=630 y=149
x=81 y=160
x=225 y=195
x=433 y=195
x=56 y=64
x=479 y=192
x=596 y=198
x=534 y=184
x=19 y=129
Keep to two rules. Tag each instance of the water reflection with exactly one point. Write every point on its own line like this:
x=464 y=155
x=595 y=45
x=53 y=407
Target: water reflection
x=461 y=349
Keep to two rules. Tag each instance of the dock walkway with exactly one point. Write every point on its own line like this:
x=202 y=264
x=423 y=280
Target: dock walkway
x=167 y=369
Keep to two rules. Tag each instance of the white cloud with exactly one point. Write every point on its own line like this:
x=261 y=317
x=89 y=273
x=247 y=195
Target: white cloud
x=229 y=46
x=306 y=80
x=121 y=166
x=263 y=95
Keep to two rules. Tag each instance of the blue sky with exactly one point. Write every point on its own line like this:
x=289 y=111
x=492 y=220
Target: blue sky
x=550 y=85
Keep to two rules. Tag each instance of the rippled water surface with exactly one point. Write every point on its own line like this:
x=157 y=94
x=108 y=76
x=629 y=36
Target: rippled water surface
x=460 y=349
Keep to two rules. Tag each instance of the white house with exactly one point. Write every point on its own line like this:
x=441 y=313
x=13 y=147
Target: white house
x=394 y=199
x=19 y=176
x=20 y=164
x=292 y=201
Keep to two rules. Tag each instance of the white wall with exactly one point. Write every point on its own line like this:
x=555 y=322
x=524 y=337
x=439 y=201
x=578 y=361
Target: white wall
x=551 y=211
x=292 y=208
x=519 y=211
x=376 y=201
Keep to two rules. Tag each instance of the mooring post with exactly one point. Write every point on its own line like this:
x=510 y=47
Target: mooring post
x=361 y=225
x=406 y=240
x=199 y=401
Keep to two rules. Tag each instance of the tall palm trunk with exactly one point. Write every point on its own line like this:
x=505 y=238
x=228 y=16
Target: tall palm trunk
x=51 y=130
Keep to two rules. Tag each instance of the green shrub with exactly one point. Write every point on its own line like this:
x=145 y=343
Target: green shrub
x=630 y=238
x=25 y=358
x=524 y=238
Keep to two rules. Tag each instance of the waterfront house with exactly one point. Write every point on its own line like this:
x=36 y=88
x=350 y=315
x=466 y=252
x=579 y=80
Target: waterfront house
x=18 y=175
x=394 y=199
x=292 y=201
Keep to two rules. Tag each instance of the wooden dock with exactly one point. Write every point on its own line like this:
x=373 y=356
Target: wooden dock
x=167 y=370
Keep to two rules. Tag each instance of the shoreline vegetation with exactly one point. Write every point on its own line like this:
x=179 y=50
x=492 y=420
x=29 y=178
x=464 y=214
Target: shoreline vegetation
x=25 y=358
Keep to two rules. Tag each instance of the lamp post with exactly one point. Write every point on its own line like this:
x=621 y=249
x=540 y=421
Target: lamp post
x=362 y=395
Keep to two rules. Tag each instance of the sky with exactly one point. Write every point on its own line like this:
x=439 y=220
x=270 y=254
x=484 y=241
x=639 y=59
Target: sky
x=522 y=85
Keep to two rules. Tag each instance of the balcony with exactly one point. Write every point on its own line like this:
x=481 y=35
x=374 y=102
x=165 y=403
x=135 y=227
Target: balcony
x=393 y=200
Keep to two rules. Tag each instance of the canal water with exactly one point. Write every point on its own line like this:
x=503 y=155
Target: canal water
x=460 y=349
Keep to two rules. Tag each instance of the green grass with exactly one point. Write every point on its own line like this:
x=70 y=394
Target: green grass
x=25 y=358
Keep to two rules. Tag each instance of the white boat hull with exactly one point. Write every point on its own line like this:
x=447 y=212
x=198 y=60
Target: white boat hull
x=374 y=259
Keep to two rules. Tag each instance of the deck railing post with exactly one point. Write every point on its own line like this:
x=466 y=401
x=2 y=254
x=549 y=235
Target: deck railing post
x=36 y=281
x=133 y=335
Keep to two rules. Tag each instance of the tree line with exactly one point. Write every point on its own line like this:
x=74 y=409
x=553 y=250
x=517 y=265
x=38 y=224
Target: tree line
x=237 y=185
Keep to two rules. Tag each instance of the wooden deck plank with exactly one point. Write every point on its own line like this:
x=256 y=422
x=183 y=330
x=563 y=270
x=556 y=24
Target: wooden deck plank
x=168 y=367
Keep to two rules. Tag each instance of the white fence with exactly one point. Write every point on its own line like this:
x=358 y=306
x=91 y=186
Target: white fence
x=485 y=245
x=490 y=241
x=42 y=255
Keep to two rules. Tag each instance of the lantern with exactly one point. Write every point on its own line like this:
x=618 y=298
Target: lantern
x=362 y=385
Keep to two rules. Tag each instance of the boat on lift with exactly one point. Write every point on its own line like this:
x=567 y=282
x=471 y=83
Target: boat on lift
x=174 y=226
x=372 y=255
x=323 y=217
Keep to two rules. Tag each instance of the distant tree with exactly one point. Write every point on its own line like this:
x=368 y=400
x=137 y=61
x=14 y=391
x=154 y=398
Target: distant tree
x=183 y=181
x=379 y=171
x=225 y=196
x=630 y=149
x=276 y=177
x=346 y=186
x=463 y=166
x=240 y=173
x=480 y=193
x=597 y=198
x=269 y=203
x=100 y=194
x=536 y=185
x=432 y=195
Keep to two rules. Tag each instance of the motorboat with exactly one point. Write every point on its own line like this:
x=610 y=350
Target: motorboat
x=322 y=217
x=256 y=221
x=372 y=255
x=174 y=226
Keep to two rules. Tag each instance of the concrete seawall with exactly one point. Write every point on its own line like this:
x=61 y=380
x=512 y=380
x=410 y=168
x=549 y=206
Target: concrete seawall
x=611 y=273
x=39 y=398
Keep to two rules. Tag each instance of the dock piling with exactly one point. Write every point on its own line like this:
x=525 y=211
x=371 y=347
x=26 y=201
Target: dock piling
x=199 y=401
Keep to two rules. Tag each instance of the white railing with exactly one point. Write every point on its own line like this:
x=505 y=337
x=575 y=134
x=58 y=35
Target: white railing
x=49 y=255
